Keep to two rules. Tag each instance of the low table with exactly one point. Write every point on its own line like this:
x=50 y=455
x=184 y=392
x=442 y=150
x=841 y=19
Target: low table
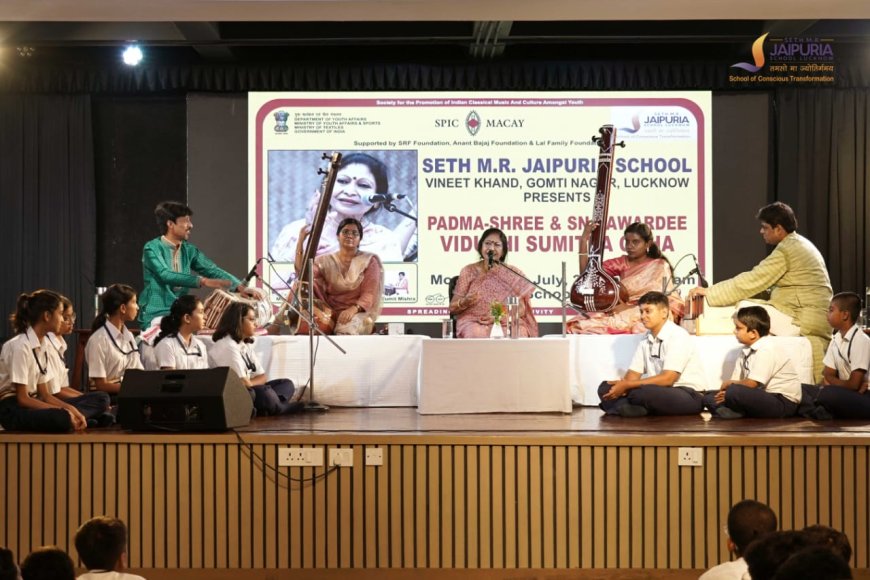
x=495 y=376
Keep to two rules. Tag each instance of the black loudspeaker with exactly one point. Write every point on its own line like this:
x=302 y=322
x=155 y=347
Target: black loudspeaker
x=196 y=400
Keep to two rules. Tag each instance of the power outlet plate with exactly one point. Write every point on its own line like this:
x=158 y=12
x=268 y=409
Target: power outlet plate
x=341 y=456
x=300 y=456
x=374 y=456
x=690 y=456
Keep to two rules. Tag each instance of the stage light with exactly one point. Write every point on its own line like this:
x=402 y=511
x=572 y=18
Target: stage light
x=132 y=55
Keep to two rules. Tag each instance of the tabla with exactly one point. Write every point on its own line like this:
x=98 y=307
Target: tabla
x=219 y=300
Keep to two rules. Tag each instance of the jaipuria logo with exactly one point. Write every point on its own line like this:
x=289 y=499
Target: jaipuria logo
x=637 y=123
x=757 y=55
x=788 y=60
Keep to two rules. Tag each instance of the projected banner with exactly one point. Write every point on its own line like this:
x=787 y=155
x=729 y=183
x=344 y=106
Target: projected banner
x=462 y=162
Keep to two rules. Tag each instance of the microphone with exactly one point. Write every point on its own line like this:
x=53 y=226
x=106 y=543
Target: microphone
x=489 y=258
x=697 y=270
x=385 y=197
x=253 y=273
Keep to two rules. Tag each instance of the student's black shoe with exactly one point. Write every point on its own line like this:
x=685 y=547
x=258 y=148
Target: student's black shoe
x=104 y=420
x=726 y=413
x=629 y=410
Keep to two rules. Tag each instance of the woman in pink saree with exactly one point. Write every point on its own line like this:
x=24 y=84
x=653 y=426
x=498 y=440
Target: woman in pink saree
x=351 y=282
x=642 y=269
x=480 y=284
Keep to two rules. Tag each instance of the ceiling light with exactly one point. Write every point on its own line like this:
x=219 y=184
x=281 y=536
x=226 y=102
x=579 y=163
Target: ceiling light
x=25 y=51
x=132 y=55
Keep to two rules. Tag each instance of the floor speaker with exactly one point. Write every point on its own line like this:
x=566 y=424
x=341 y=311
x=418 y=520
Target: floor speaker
x=194 y=400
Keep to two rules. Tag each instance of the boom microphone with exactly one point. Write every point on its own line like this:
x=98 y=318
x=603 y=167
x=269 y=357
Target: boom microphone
x=697 y=270
x=253 y=273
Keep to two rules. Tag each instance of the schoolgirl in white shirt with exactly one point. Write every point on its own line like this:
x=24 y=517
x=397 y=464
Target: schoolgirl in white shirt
x=111 y=349
x=26 y=404
x=177 y=347
x=94 y=406
x=233 y=348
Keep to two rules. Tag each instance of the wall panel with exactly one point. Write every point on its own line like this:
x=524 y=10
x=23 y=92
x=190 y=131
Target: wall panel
x=436 y=502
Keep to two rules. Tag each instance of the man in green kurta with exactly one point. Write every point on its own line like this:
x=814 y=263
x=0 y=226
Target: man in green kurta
x=796 y=276
x=169 y=262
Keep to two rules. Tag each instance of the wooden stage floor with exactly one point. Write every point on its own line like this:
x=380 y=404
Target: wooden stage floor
x=583 y=421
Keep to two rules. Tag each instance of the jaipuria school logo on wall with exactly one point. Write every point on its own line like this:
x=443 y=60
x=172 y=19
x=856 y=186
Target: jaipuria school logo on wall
x=649 y=123
x=788 y=60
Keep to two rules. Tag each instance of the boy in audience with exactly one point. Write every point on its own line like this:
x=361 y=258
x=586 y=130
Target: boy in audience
x=844 y=393
x=817 y=563
x=748 y=520
x=764 y=383
x=47 y=563
x=765 y=555
x=827 y=537
x=102 y=546
x=8 y=567
x=665 y=376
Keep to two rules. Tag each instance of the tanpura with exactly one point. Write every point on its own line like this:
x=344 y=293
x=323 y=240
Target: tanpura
x=595 y=290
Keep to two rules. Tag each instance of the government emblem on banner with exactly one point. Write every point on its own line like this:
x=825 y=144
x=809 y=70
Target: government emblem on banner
x=281 y=121
x=472 y=123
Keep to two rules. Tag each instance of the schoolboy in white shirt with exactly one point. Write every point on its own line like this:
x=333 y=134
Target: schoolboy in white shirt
x=844 y=393
x=764 y=383
x=748 y=520
x=665 y=377
x=102 y=546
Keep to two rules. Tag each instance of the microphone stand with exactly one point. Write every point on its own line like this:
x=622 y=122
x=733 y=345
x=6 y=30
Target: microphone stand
x=391 y=207
x=561 y=298
x=311 y=405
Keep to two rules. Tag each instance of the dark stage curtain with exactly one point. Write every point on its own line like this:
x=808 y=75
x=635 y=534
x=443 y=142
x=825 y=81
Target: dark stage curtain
x=822 y=172
x=333 y=76
x=48 y=210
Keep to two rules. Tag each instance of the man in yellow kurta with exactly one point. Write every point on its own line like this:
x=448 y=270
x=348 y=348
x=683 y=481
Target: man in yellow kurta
x=796 y=275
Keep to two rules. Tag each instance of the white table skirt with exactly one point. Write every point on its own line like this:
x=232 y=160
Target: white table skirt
x=386 y=371
x=597 y=358
x=495 y=376
x=377 y=371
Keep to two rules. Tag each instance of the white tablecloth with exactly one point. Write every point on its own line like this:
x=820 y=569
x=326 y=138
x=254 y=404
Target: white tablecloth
x=377 y=371
x=495 y=376
x=596 y=358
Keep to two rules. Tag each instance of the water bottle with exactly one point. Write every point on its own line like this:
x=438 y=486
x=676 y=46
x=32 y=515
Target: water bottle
x=513 y=313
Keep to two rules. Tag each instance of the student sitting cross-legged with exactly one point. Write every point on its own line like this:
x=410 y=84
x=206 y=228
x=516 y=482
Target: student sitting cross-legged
x=95 y=406
x=233 y=348
x=844 y=393
x=764 y=383
x=665 y=377
x=177 y=347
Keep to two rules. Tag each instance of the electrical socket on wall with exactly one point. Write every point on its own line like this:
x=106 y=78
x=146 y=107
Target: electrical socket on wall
x=300 y=456
x=374 y=456
x=690 y=456
x=341 y=456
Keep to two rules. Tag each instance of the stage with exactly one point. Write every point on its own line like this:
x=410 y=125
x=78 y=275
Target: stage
x=485 y=491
